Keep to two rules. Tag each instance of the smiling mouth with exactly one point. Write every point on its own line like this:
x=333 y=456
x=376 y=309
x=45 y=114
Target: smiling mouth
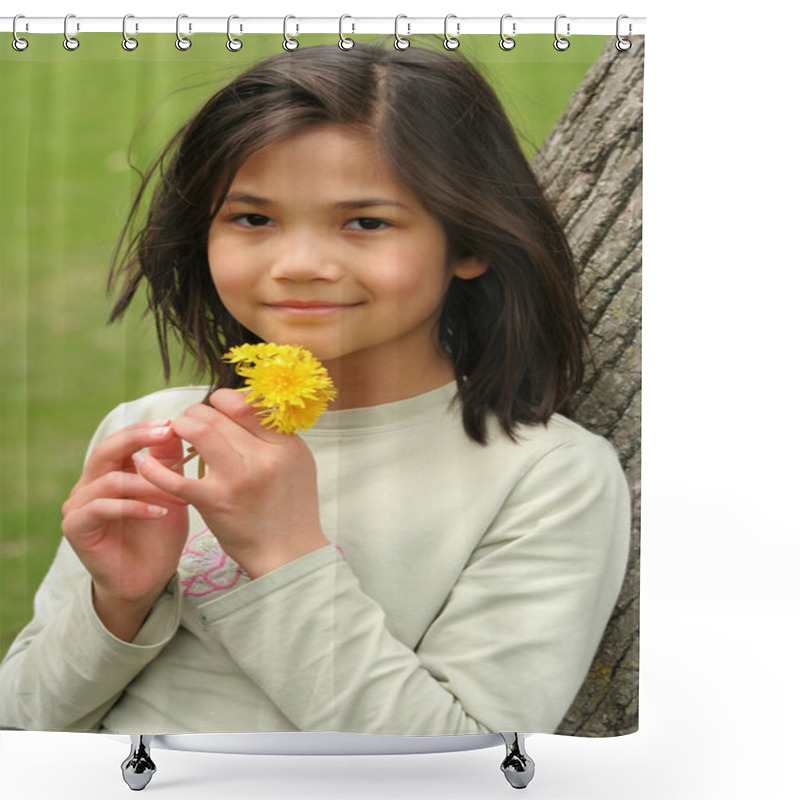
x=310 y=309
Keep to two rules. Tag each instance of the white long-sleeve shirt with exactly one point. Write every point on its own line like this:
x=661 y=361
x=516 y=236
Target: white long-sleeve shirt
x=465 y=591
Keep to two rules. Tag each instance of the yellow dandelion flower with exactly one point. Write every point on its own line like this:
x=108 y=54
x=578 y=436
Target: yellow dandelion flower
x=285 y=383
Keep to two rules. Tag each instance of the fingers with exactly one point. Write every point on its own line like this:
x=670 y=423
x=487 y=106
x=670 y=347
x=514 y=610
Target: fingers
x=99 y=512
x=229 y=440
x=167 y=449
x=113 y=498
x=216 y=438
x=118 y=485
x=168 y=480
x=223 y=437
x=226 y=435
x=114 y=453
x=233 y=405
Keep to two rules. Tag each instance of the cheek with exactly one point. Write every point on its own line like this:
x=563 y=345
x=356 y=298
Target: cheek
x=418 y=275
x=227 y=273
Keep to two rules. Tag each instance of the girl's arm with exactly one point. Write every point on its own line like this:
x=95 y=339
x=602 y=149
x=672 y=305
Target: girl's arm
x=509 y=648
x=65 y=670
x=508 y=651
x=127 y=534
x=67 y=667
x=259 y=493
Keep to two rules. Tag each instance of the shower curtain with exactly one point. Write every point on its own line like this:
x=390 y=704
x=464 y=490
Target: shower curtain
x=78 y=129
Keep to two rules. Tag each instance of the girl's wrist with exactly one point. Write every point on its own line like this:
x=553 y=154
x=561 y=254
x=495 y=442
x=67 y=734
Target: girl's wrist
x=121 y=617
x=280 y=553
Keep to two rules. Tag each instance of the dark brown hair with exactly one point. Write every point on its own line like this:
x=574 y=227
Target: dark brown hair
x=514 y=334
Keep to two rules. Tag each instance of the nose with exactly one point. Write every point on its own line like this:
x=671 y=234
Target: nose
x=303 y=257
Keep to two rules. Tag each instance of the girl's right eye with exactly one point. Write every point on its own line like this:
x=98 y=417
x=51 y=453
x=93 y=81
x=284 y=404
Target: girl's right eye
x=251 y=220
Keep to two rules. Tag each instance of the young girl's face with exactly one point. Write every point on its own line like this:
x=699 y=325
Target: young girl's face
x=318 y=244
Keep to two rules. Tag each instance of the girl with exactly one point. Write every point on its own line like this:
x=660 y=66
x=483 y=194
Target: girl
x=441 y=553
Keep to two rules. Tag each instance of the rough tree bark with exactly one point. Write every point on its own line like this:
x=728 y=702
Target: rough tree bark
x=591 y=167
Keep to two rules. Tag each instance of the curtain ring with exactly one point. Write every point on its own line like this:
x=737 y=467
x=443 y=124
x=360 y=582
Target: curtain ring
x=451 y=42
x=506 y=42
x=623 y=44
x=560 y=43
x=233 y=44
x=345 y=42
x=181 y=42
x=128 y=42
x=18 y=43
x=70 y=42
x=289 y=42
x=400 y=42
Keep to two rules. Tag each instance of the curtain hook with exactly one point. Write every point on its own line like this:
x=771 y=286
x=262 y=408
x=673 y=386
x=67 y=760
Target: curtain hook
x=623 y=43
x=181 y=42
x=560 y=43
x=18 y=43
x=289 y=43
x=233 y=44
x=345 y=42
x=400 y=42
x=70 y=42
x=128 y=42
x=451 y=42
x=506 y=42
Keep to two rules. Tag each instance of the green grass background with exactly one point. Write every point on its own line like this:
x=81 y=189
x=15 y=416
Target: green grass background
x=70 y=124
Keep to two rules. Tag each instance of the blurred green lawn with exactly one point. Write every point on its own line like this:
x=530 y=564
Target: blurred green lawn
x=65 y=133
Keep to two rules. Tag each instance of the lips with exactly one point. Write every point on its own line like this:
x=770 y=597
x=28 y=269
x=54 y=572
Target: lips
x=313 y=308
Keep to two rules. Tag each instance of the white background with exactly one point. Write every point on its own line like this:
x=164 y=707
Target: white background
x=721 y=607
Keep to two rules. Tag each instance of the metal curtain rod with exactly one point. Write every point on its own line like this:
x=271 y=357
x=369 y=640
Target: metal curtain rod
x=405 y=25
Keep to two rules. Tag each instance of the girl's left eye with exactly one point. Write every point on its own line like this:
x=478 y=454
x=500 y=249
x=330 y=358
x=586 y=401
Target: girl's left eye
x=251 y=220
x=367 y=224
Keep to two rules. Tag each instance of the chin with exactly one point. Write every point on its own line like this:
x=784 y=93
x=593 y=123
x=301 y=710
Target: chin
x=319 y=348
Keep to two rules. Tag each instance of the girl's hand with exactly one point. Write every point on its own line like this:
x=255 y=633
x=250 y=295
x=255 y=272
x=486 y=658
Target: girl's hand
x=128 y=534
x=259 y=493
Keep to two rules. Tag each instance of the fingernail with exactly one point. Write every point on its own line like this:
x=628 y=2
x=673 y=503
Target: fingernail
x=138 y=458
x=157 y=511
x=161 y=431
x=158 y=422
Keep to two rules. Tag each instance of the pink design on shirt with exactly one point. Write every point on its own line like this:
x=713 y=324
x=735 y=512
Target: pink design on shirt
x=207 y=566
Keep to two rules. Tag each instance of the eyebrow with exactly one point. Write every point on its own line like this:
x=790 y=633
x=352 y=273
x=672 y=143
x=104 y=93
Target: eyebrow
x=367 y=202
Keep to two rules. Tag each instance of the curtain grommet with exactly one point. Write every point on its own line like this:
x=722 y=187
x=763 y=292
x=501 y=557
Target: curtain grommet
x=289 y=42
x=18 y=43
x=345 y=42
x=233 y=44
x=128 y=42
x=71 y=43
x=181 y=42
x=400 y=42
x=561 y=44
x=451 y=42
x=623 y=44
x=507 y=42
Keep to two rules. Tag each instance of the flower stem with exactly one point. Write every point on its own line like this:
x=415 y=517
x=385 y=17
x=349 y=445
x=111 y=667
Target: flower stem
x=190 y=454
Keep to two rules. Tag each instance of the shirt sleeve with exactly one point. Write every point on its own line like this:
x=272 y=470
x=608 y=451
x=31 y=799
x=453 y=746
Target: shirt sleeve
x=65 y=669
x=509 y=649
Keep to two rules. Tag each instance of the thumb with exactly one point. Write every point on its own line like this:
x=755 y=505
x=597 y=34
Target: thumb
x=232 y=403
x=168 y=452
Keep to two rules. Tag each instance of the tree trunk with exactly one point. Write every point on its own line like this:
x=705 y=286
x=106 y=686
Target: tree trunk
x=591 y=168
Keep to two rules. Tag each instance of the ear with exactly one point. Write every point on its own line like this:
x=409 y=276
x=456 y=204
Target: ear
x=470 y=267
